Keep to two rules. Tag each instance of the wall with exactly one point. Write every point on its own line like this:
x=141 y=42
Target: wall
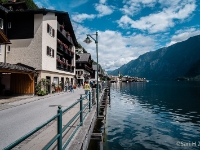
x=28 y=51
x=43 y=74
x=49 y=63
x=2 y=53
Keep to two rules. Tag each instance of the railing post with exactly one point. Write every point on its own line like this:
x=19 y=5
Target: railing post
x=59 y=128
x=81 y=110
x=89 y=100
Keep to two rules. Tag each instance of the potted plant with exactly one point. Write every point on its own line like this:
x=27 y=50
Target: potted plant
x=56 y=88
x=62 y=26
x=67 y=33
x=59 y=42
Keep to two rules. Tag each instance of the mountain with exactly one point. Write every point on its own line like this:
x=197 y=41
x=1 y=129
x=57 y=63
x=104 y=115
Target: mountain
x=179 y=60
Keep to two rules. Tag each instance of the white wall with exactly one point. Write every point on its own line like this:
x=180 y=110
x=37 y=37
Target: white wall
x=2 y=47
x=49 y=63
x=28 y=51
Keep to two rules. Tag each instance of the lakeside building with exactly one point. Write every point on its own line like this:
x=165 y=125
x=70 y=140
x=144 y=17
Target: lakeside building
x=42 y=39
x=83 y=67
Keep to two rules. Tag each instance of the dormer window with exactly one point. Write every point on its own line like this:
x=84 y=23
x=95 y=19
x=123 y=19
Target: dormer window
x=50 y=30
x=1 y=23
x=10 y=8
x=9 y=25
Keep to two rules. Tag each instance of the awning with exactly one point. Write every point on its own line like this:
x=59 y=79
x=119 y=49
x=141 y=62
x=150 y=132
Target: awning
x=16 y=68
x=3 y=38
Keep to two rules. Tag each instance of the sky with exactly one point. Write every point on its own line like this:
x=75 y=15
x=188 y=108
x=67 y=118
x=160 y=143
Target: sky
x=129 y=28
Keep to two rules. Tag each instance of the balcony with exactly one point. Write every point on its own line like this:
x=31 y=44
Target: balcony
x=64 y=34
x=60 y=47
x=60 y=65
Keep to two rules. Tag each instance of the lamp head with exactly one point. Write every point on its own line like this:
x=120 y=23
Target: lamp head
x=87 y=40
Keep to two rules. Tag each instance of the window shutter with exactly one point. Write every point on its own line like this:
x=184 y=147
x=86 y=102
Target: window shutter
x=47 y=28
x=53 y=32
x=47 y=50
x=53 y=53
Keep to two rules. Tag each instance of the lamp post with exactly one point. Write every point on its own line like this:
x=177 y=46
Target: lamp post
x=88 y=41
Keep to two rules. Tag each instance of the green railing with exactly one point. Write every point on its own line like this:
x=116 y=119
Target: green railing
x=58 y=137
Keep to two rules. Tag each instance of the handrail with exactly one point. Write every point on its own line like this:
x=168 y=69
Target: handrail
x=60 y=130
x=12 y=145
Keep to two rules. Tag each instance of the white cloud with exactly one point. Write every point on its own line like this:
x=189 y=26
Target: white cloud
x=44 y=3
x=77 y=3
x=182 y=35
x=81 y=17
x=160 y=21
x=132 y=7
x=114 y=50
x=102 y=1
x=103 y=9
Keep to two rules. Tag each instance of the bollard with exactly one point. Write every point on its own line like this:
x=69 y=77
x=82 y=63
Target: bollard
x=81 y=111
x=60 y=128
x=89 y=101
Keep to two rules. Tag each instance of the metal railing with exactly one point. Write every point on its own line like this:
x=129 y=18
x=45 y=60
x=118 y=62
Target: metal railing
x=59 y=116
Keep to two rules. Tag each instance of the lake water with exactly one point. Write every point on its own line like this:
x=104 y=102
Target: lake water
x=153 y=116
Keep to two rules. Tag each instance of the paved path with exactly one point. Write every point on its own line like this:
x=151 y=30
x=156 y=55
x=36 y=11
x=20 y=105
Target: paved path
x=22 y=116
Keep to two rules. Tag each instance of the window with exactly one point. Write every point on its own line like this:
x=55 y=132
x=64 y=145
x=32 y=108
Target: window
x=1 y=23
x=55 y=80
x=58 y=56
x=8 y=48
x=50 y=52
x=9 y=25
x=50 y=30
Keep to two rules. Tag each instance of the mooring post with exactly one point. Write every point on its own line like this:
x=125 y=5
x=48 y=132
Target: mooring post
x=60 y=127
x=81 y=111
x=89 y=101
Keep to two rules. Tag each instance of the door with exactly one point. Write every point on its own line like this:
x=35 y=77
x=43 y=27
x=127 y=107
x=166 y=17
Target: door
x=49 y=86
x=62 y=82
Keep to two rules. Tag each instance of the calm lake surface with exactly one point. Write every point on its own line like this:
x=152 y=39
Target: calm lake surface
x=153 y=116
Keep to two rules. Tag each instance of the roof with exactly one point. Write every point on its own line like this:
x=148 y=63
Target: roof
x=4 y=9
x=15 y=4
x=95 y=67
x=62 y=18
x=16 y=67
x=84 y=57
x=3 y=38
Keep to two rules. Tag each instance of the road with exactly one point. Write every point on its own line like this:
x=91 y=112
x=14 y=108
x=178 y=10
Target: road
x=22 y=118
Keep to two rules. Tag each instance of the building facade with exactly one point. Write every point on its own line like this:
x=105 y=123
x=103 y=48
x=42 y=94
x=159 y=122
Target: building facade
x=45 y=40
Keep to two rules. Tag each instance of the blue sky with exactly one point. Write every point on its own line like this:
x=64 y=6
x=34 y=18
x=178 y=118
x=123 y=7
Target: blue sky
x=129 y=28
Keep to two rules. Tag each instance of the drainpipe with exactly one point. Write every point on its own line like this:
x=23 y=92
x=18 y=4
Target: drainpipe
x=5 y=54
x=6 y=35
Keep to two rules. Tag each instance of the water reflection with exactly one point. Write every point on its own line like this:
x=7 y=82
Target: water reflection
x=153 y=115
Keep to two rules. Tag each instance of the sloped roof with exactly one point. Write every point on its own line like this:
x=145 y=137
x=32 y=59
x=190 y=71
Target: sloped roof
x=16 y=67
x=84 y=57
x=62 y=17
x=3 y=9
x=3 y=38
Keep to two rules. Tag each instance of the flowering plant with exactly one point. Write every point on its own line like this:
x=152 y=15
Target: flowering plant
x=62 y=26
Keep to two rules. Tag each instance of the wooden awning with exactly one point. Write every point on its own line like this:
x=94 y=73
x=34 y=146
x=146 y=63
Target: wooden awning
x=16 y=68
x=3 y=38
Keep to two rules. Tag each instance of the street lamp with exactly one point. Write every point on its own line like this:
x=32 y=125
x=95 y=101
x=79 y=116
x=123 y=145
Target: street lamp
x=88 y=41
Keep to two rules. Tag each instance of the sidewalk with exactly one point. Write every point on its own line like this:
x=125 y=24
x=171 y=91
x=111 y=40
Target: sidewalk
x=11 y=101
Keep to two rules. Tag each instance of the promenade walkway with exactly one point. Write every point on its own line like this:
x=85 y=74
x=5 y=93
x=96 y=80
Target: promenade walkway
x=43 y=136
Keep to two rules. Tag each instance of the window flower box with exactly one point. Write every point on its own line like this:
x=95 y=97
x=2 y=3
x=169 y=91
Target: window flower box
x=59 y=42
x=67 y=34
x=62 y=27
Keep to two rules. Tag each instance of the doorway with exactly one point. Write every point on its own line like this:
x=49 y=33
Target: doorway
x=62 y=82
x=49 y=85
